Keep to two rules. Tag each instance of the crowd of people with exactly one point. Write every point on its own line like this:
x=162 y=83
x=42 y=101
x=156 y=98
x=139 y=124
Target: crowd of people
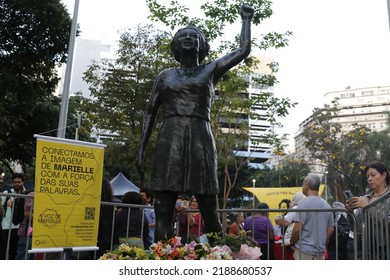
x=296 y=234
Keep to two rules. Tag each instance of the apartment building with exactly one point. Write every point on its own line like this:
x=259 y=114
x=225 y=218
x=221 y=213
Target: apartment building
x=368 y=106
x=258 y=152
x=86 y=51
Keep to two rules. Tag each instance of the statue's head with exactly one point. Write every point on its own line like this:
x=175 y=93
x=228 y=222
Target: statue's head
x=204 y=46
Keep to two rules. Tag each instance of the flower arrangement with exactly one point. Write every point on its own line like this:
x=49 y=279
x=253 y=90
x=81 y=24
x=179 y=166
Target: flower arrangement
x=173 y=249
x=125 y=252
x=231 y=247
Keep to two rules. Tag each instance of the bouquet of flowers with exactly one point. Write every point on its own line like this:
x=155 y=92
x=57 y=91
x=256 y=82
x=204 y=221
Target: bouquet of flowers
x=125 y=252
x=242 y=247
x=231 y=247
x=173 y=249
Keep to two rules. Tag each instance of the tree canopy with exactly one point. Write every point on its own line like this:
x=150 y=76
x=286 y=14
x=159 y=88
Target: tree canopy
x=34 y=37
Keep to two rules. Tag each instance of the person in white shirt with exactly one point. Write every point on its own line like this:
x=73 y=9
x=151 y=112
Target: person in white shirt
x=10 y=231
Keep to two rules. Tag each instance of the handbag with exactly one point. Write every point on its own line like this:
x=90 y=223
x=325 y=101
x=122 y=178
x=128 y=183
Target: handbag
x=287 y=234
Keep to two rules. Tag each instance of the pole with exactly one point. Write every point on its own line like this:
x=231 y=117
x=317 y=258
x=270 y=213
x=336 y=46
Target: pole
x=78 y=126
x=326 y=186
x=65 y=93
x=388 y=9
x=254 y=198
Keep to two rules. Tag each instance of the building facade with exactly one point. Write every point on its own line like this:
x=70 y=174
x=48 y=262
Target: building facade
x=369 y=106
x=365 y=106
x=258 y=151
x=86 y=52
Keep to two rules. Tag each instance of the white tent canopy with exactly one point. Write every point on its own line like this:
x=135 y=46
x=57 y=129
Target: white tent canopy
x=121 y=185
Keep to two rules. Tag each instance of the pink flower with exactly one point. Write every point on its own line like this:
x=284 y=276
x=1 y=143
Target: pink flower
x=226 y=249
x=249 y=253
x=220 y=253
x=190 y=246
x=191 y=256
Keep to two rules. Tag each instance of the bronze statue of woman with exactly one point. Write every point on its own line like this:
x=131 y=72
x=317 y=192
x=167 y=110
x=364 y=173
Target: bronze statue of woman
x=185 y=160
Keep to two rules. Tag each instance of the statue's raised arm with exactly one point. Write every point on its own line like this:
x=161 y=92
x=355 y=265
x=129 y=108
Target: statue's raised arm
x=232 y=59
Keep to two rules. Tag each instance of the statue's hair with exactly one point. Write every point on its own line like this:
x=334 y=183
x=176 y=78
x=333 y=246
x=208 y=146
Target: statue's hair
x=204 y=46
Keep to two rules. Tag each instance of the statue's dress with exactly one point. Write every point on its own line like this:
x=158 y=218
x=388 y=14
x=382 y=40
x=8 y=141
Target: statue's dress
x=185 y=156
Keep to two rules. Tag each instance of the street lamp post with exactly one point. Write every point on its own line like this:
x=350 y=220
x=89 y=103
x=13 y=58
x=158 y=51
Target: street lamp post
x=65 y=93
x=78 y=126
x=254 y=198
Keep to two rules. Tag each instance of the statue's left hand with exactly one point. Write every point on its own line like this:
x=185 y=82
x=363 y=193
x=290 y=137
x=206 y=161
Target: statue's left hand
x=247 y=11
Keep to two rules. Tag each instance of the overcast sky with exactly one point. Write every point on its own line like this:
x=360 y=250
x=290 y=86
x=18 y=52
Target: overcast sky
x=335 y=44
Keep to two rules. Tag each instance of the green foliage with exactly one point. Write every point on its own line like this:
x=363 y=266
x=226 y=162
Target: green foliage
x=234 y=242
x=378 y=146
x=275 y=40
x=288 y=173
x=34 y=38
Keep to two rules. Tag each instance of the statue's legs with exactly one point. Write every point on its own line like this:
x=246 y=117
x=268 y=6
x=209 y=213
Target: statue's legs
x=164 y=205
x=208 y=210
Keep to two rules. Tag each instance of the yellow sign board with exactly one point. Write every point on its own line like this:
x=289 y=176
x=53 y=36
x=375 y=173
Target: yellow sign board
x=277 y=198
x=68 y=180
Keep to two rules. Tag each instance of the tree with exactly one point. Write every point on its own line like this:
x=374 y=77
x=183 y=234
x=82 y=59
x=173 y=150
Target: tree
x=288 y=173
x=232 y=108
x=378 y=148
x=33 y=40
x=343 y=152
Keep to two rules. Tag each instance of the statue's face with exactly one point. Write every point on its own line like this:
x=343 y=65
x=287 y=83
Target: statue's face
x=189 y=39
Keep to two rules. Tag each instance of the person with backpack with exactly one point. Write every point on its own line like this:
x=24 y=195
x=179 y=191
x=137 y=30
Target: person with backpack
x=10 y=230
x=338 y=251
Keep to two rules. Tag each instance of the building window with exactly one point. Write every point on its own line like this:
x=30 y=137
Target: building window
x=367 y=92
x=348 y=95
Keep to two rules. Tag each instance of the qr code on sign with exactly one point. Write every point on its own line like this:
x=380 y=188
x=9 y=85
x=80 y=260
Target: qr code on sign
x=89 y=213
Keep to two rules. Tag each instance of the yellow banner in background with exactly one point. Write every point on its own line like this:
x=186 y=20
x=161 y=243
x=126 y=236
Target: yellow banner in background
x=276 y=198
x=67 y=190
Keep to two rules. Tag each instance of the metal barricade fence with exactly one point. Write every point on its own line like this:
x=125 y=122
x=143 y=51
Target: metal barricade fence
x=62 y=253
x=374 y=241
x=375 y=219
x=354 y=253
x=7 y=228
